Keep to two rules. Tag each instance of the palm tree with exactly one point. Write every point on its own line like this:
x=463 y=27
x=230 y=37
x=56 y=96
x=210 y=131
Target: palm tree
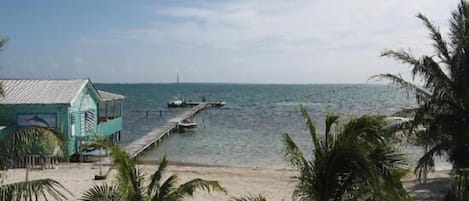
x=129 y=186
x=42 y=141
x=443 y=100
x=354 y=161
x=31 y=141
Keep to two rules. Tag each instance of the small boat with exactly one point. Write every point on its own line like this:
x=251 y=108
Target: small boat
x=187 y=124
x=221 y=103
x=218 y=104
x=176 y=102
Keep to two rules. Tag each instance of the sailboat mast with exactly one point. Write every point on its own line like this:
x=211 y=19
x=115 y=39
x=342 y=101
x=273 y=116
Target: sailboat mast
x=177 y=83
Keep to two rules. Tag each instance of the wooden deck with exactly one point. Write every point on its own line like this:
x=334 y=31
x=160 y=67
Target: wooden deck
x=155 y=136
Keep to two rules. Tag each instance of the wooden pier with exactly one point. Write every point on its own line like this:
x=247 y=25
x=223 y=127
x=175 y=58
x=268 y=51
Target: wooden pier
x=155 y=136
x=212 y=104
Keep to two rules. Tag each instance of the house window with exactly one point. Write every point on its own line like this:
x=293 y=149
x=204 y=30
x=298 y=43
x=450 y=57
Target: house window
x=90 y=121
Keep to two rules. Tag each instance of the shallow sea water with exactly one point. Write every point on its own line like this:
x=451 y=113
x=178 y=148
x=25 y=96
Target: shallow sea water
x=248 y=131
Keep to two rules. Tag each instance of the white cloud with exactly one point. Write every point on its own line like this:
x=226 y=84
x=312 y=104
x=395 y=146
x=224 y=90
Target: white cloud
x=303 y=41
x=292 y=25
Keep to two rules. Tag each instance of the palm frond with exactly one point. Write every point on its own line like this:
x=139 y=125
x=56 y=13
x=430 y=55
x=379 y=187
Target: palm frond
x=459 y=187
x=426 y=163
x=359 y=163
x=439 y=43
x=331 y=119
x=47 y=189
x=102 y=192
x=435 y=79
x=293 y=154
x=156 y=177
x=312 y=131
x=190 y=187
x=129 y=178
x=398 y=80
x=35 y=140
x=367 y=129
x=168 y=190
x=250 y=198
x=402 y=56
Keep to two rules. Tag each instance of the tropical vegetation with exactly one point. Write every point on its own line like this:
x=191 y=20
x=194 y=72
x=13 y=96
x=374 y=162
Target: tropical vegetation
x=250 y=198
x=459 y=187
x=30 y=141
x=352 y=161
x=130 y=182
x=441 y=119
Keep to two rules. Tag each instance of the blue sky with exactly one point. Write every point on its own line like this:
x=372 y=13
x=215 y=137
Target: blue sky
x=274 y=41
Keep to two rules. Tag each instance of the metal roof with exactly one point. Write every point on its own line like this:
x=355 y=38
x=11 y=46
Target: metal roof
x=108 y=96
x=41 y=91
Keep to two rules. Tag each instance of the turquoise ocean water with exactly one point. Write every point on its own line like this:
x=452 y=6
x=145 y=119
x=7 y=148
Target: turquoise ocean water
x=248 y=131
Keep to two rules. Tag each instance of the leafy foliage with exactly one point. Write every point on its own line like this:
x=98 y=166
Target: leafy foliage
x=354 y=161
x=31 y=141
x=28 y=141
x=32 y=190
x=459 y=188
x=250 y=198
x=129 y=186
x=103 y=192
x=443 y=100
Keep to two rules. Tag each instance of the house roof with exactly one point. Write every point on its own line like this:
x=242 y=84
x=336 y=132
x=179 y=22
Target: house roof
x=32 y=91
x=108 y=96
x=35 y=91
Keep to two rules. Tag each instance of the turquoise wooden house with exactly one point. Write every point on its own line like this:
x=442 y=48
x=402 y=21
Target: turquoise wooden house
x=74 y=107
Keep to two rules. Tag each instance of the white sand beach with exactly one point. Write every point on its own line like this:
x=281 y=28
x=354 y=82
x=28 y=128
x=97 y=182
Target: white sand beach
x=275 y=184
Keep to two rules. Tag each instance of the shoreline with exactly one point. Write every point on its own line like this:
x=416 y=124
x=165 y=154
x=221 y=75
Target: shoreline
x=275 y=184
x=193 y=164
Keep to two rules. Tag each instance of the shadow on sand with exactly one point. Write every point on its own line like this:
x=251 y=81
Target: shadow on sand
x=433 y=189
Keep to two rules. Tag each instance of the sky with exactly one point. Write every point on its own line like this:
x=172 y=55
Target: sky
x=271 y=41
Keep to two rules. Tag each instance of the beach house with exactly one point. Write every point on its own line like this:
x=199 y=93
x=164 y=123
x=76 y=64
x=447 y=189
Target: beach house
x=73 y=107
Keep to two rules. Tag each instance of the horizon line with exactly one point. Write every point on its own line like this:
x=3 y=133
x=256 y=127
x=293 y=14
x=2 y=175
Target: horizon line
x=250 y=83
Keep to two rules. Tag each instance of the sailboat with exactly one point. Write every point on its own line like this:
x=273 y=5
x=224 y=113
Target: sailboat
x=176 y=101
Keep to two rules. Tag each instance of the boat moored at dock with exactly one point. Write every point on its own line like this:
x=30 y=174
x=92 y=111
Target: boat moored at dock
x=187 y=125
x=176 y=102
